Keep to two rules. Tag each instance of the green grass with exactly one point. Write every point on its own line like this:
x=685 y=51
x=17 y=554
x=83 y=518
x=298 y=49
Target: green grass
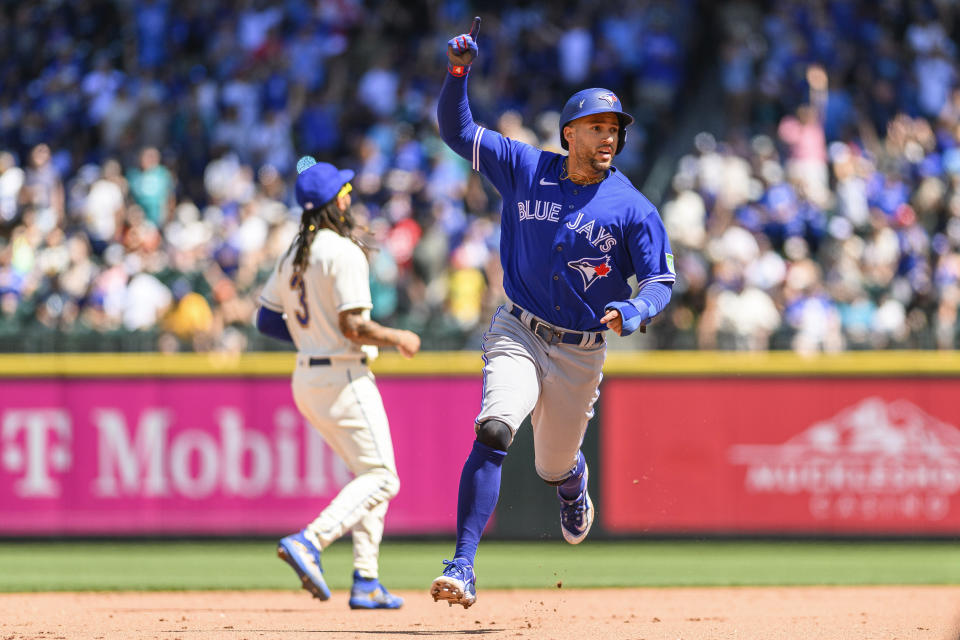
x=131 y=565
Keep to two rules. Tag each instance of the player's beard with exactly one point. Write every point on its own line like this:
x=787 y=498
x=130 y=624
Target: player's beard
x=600 y=166
x=594 y=162
x=590 y=168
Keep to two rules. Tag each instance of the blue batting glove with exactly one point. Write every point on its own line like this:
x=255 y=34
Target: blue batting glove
x=462 y=50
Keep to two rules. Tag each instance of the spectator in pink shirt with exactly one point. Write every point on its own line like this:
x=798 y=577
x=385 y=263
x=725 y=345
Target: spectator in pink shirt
x=803 y=133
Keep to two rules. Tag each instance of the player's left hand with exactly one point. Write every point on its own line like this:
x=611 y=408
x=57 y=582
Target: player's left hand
x=462 y=49
x=613 y=320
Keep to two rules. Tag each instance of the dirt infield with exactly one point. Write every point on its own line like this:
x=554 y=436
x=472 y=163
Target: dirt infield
x=795 y=613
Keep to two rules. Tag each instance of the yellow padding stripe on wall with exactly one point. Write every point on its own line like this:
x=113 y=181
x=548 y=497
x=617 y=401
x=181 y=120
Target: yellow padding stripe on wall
x=468 y=363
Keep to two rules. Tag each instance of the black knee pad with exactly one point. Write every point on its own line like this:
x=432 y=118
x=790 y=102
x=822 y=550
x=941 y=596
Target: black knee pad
x=495 y=434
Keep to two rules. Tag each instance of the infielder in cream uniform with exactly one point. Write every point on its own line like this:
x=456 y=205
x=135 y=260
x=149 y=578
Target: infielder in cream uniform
x=318 y=297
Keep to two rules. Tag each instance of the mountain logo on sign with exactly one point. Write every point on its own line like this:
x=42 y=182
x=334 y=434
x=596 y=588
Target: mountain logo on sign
x=891 y=456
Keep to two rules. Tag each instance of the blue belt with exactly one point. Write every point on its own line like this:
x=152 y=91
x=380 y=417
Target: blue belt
x=326 y=362
x=552 y=335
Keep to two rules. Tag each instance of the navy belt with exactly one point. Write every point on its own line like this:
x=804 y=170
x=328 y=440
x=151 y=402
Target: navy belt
x=325 y=362
x=552 y=335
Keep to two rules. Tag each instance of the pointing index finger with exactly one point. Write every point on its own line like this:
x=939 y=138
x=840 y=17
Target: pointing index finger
x=475 y=29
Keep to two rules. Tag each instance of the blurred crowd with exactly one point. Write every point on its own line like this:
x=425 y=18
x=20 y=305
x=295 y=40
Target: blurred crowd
x=147 y=154
x=149 y=150
x=826 y=215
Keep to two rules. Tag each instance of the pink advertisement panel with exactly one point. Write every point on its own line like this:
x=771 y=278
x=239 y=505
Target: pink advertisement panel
x=205 y=456
x=802 y=455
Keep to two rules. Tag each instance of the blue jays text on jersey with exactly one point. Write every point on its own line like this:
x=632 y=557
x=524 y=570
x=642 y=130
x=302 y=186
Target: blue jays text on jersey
x=551 y=211
x=567 y=250
x=601 y=239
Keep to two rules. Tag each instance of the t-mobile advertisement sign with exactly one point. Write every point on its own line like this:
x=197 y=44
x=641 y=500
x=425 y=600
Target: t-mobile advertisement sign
x=230 y=456
x=875 y=456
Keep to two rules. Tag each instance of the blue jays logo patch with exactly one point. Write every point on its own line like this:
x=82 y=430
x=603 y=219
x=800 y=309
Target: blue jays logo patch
x=609 y=98
x=591 y=269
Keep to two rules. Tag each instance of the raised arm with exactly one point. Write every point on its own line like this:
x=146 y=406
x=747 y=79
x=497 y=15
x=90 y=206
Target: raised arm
x=455 y=120
x=488 y=152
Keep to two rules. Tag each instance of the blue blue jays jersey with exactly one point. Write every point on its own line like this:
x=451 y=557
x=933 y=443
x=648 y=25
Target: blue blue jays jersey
x=566 y=249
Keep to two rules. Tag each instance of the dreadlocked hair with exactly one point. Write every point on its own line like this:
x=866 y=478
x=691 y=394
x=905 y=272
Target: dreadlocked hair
x=328 y=216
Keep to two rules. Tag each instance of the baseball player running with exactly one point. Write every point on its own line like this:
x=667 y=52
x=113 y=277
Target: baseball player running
x=318 y=297
x=573 y=229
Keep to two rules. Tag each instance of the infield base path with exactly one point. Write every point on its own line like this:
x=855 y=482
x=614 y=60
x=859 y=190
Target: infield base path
x=743 y=613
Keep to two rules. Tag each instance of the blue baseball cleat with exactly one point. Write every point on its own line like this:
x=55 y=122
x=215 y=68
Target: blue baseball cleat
x=576 y=516
x=457 y=585
x=368 y=593
x=301 y=554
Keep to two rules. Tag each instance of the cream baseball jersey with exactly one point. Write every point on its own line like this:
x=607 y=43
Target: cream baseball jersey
x=337 y=278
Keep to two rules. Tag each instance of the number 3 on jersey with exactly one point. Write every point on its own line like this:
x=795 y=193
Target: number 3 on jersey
x=302 y=314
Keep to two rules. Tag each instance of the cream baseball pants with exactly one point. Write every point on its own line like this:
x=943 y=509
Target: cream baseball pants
x=342 y=402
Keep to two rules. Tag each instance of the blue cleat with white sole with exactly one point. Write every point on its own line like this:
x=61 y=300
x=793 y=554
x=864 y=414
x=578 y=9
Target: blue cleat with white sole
x=457 y=585
x=368 y=593
x=576 y=516
x=304 y=557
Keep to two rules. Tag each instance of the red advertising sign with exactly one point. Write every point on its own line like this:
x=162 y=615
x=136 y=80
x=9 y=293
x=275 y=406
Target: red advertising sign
x=209 y=455
x=878 y=456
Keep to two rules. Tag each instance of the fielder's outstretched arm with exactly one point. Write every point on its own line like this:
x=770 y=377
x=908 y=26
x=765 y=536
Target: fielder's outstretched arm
x=360 y=330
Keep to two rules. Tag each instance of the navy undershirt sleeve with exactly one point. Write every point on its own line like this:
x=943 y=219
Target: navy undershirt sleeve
x=272 y=324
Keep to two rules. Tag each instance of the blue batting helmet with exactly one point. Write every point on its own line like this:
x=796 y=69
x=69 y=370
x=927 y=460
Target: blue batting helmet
x=589 y=102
